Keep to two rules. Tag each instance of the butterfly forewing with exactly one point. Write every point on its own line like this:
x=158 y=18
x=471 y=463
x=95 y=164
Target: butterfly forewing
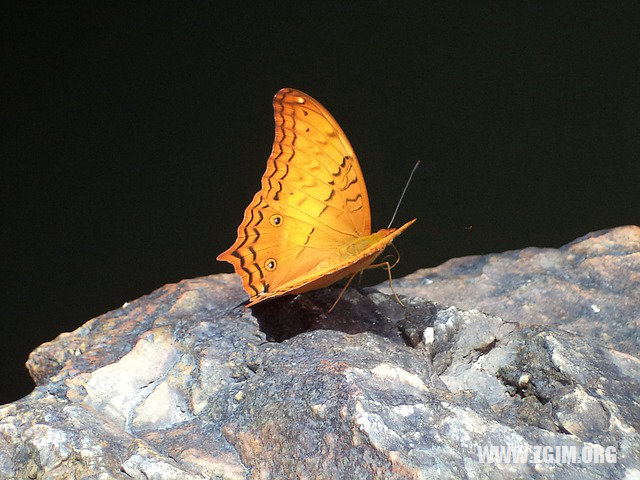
x=309 y=141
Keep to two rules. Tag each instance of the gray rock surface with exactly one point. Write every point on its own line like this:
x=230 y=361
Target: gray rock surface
x=590 y=286
x=179 y=384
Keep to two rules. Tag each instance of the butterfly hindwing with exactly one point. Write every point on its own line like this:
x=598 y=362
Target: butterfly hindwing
x=273 y=248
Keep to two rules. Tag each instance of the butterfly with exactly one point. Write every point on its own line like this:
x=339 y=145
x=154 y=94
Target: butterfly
x=310 y=223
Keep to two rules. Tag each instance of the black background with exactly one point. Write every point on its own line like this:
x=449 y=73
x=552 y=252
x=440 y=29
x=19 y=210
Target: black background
x=136 y=135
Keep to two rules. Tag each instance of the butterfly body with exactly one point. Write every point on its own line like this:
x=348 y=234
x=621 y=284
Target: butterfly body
x=310 y=224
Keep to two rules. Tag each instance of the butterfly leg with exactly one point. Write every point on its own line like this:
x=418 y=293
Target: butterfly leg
x=398 y=255
x=344 y=289
x=388 y=267
x=387 y=256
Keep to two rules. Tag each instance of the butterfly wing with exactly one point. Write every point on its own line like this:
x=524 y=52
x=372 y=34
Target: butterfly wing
x=313 y=201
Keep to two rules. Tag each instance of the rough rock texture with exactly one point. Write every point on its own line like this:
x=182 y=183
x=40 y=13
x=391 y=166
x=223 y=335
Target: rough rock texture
x=590 y=286
x=179 y=384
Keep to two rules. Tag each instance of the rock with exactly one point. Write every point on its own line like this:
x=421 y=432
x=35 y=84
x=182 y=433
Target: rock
x=590 y=286
x=182 y=384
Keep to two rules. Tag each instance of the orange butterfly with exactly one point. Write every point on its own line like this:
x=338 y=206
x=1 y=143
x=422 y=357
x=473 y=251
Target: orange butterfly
x=310 y=223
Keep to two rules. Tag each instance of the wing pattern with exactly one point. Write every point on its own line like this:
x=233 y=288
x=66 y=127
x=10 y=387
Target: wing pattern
x=313 y=199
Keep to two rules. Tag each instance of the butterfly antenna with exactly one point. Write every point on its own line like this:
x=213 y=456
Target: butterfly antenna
x=415 y=167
